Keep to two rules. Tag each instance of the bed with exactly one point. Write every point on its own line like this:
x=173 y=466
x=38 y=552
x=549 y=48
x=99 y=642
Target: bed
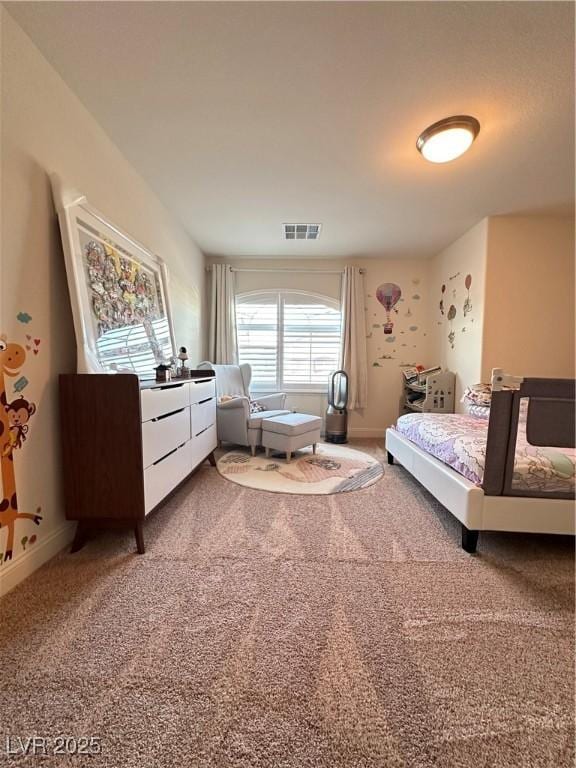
x=514 y=471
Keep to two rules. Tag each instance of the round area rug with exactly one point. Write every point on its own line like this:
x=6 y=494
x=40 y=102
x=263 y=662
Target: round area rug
x=332 y=469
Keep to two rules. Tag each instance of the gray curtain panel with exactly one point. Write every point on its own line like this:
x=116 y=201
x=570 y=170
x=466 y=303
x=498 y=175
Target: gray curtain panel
x=222 y=345
x=353 y=352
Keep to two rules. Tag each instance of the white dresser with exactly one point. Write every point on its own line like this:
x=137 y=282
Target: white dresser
x=178 y=433
x=127 y=445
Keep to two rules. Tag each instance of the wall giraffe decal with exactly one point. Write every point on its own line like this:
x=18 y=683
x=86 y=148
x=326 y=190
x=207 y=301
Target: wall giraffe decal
x=12 y=357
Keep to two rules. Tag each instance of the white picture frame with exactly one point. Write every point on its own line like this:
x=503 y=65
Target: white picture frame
x=118 y=291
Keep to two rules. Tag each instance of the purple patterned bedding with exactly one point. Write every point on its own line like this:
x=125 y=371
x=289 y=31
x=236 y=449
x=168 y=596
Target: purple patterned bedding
x=459 y=440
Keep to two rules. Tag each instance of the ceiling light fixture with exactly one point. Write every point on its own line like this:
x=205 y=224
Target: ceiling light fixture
x=448 y=139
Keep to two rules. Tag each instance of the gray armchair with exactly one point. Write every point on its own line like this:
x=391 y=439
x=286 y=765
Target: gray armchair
x=235 y=423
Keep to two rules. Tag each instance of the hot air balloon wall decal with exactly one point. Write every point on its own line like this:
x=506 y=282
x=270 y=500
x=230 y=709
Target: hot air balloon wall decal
x=441 y=305
x=467 y=301
x=451 y=315
x=388 y=294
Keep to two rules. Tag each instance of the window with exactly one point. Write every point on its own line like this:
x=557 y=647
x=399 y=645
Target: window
x=291 y=340
x=136 y=347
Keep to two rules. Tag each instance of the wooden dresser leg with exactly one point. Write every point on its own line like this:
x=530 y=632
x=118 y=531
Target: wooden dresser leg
x=212 y=459
x=139 y=533
x=79 y=537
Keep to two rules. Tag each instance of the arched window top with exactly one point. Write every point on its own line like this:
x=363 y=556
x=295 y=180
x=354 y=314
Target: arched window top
x=311 y=297
x=290 y=338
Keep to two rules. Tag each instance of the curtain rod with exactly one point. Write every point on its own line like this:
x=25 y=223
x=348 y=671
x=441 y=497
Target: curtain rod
x=272 y=269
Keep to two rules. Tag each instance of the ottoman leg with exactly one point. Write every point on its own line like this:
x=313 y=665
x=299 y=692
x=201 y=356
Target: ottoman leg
x=288 y=456
x=267 y=452
x=253 y=450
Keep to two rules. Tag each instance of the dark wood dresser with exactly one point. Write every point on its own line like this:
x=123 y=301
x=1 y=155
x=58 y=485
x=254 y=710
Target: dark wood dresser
x=127 y=445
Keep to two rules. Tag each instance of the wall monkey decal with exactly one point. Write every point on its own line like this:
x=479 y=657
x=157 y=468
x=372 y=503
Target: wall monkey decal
x=13 y=418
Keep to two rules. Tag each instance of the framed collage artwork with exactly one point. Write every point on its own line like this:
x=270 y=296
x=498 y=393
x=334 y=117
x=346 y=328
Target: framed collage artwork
x=118 y=291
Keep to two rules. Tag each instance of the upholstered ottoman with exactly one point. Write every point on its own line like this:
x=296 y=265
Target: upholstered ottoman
x=289 y=432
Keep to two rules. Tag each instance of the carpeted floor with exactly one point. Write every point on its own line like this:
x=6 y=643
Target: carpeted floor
x=266 y=630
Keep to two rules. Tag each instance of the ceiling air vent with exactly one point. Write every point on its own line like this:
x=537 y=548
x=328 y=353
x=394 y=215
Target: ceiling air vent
x=301 y=231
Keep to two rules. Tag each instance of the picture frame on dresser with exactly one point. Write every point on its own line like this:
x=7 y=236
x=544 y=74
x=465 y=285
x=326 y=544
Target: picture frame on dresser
x=118 y=291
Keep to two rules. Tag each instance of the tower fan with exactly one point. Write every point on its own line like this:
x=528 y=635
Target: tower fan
x=336 y=413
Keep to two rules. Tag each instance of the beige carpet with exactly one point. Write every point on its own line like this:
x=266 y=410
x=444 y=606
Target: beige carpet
x=266 y=630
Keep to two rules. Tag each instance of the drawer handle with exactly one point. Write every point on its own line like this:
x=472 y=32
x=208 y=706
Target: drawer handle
x=168 y=386
x=203 y=430
x=165 y=415
x=207 y=400
x=168 y=454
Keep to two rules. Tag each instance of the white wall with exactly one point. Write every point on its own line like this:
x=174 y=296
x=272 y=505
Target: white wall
x=521 y=294
x=461 y=353
x=529 y=321
x=46 y=129
x=410 y=342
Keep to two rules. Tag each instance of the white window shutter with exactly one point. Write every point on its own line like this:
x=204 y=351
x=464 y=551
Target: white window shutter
x=310 y=341
x=291 y=340
x=257 y=333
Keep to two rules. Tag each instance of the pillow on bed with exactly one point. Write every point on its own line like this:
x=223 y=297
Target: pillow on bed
x=479 y=411
x=477 y=401
x=478 y=394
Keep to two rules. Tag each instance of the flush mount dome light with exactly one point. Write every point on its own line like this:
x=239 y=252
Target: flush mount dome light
x=448 y=139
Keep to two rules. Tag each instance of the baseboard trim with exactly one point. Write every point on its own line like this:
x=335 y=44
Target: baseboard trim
x=364 y=432
x=25 y=563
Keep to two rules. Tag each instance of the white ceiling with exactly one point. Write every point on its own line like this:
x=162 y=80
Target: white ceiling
x=243 y=116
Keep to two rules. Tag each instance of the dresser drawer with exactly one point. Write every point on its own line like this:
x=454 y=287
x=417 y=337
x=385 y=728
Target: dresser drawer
x=159 y=400
x=164 y=433
x=164 y=476
x=202 y=445
x=200 y=390
x=202 y=415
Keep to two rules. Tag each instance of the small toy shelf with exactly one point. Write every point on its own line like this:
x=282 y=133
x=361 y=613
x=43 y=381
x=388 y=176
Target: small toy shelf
x=430 y=393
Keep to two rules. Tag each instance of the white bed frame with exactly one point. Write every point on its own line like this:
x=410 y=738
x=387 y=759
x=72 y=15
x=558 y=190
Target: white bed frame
x=469 y=504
